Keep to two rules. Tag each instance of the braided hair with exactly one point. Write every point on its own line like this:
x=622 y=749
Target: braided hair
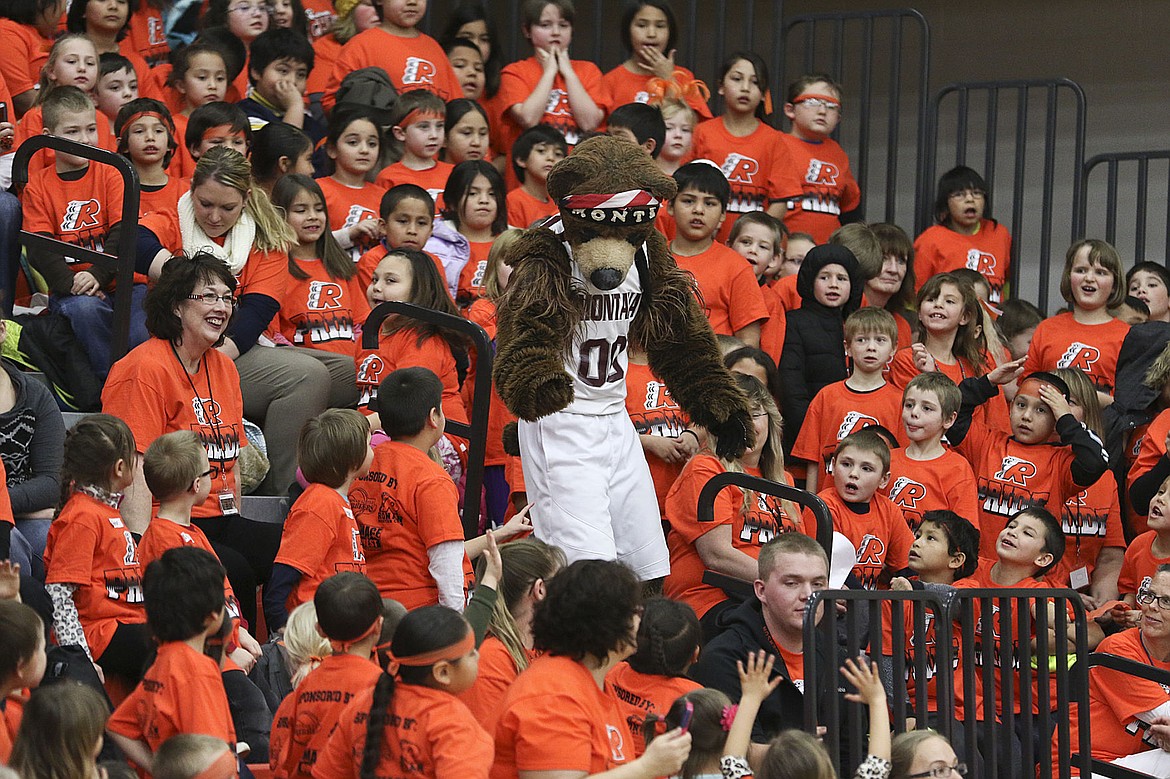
x=667 y=638
x=92 y=448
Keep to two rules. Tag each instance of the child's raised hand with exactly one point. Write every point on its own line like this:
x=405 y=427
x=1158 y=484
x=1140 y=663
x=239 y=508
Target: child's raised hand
x=493 y=569
x=367 y=229
x=923 y=360
x=661 y=65
x=666 y=754
x=755 y=680
x=863 y=674
x=9 y=580
x=1054 y=400
x=519 y=523
x=1007 y=373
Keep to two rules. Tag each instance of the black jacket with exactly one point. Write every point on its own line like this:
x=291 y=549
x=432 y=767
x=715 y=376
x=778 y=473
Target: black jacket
x=814 y=337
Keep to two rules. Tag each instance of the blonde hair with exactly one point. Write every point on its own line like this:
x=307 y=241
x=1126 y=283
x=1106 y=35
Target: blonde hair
x=905 y=747
x=491 y=274
x=795 y=754
x=45 y=84
x=186 y=755
x=871 y=319
x=524 y=561
x=172 y=463
x=304 y=645
x=1084 y=393
x=227 y=166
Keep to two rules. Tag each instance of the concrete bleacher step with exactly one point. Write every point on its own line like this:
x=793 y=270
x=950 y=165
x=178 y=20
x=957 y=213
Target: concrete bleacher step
x=73 y=417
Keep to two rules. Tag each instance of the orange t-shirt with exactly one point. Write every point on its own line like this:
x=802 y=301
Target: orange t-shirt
x=944 y=483
x=471 y=277
x=751 y=528
x=320 y=312
x=1092 y=521
x=90 y=546
x=163 y=534
x=1116 y=697
x=349 y=205
x=164 y=198
x=880 y=536
x=405 y=505
x=1011 y=476
x=939 y=249
x=653 y=411
x=1062 y=342
x=837 y=411
x=993 y=413
x=402 y=350
x=556 y=718
x=497 y=671
x=27 y=53
x=429 y=734
x=730 y=296
x=817 y=182
x=785 y=289
x=325 y=52
x=773 y=329
x=10 y=718
x=5 y=499
x=927 y=648
x=182 y=692
x=412 y=63
x=153 y=394
x=182 y=163
x=1150 y=449
x=1140 y=564
x=147 y=35
x=483 y=313
x=639 y=694
x=320 y=539
x=321 y=17
x=311 y=712
x=517 y=82
x=626 y=86
x=524 y=209
x=79 y=211
x=751 y=164
x=33 y=123
x=432 y=179
x=368 y=263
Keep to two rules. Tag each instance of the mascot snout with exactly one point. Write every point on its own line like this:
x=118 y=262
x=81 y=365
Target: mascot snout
x=604 y=261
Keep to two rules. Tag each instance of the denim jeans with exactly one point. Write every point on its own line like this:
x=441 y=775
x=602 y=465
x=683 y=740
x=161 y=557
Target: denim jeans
x=92 y=320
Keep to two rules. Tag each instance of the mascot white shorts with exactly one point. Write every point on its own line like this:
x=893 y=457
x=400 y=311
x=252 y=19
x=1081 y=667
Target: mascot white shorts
x=591 y=491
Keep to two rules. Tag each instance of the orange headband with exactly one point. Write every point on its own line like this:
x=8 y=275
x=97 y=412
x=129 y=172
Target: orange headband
x=1031 y=387
x=221 y=131
x=222 y=767
x=417 y=115
x=343 y=646
x=450 y=652
x=166 y=120
x=817 y=96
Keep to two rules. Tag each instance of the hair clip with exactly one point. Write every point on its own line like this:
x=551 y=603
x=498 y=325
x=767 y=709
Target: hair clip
x=728 y=717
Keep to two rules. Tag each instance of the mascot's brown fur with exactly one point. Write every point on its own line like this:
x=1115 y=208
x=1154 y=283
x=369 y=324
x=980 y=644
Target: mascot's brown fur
x=539 y=313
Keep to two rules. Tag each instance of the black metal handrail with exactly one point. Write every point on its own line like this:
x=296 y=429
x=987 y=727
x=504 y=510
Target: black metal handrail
x=1112 y=164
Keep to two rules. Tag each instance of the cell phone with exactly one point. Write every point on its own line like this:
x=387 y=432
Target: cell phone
x=685 y=723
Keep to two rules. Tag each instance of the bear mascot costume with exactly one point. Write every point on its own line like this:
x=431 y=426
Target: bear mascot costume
x=585 y=285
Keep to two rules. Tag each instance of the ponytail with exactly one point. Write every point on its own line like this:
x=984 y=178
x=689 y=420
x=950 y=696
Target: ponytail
x=376 y=725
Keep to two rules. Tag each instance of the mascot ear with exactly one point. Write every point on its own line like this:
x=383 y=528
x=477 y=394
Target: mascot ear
x=662 y=186
x=567 y=174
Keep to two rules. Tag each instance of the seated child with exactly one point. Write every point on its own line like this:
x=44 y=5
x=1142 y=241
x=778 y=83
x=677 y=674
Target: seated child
x=117 y=84
x=407 y=507
x=759 y=239
x=199 y=77
x=279 y=61
x=816 y=182
x=353 y=145
x=1148 y=551
x=1017 y=324
x=1024 y=469
x=416 y=136
x=830 y=285
x=216 y=124
x=728 y=291
x=146 y=134
x=79 y=203
x=349 y=614
x=926 y=475
x=182 y=691
x=871 y=522
x=680 y=120
x=863 y=399
x=320 y=535
x=408 y=214
x=533 y=155
x=22 y=664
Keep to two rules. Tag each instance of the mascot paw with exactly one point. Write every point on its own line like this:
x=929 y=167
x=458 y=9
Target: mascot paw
x=511 y=439
x=734 y=435
x=548 y=394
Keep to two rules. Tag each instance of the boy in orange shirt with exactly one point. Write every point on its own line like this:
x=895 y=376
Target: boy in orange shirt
x=1149 y=551
x=533 y=155
x=320 y=535
x=418 y=120
x=817 y=185
x=926 y=475
x=349 y=614
x=861 y=466
x=182 y=691
x=407 y=507
x=79 y=203
x=862 y=400
x=729 y=294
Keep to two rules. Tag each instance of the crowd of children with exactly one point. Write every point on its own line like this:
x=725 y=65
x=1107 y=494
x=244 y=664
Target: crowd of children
x=330 y=158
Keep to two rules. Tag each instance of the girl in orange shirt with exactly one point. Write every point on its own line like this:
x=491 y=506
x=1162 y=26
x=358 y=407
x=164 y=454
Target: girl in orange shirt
x=146 y=134
x=416 y=719
x=467 y=132
x=475 y=206
x=322 y=301
x=354 y=203
x=508 y=648
x=22 y=649
x=470 y=21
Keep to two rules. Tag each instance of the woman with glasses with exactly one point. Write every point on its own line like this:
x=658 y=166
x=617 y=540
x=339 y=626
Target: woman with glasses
x=924 y=754
x=1124 y=710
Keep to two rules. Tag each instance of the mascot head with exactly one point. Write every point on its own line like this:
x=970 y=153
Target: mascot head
x=608 y=192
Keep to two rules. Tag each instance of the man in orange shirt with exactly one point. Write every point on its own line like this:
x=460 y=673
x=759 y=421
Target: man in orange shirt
x=182 y=691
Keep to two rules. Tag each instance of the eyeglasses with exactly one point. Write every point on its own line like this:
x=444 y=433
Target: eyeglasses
x=205 y=474
x=760 y=415
x=1147 y=598
x=210 y=299
x=941 y=772
x=249 y=8
x=816 y=103
x=977 y=194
